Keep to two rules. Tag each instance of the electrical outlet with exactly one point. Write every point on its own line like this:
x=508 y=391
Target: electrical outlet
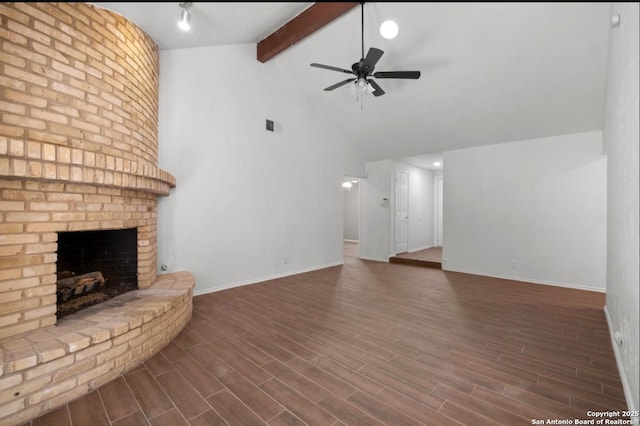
x=514 y=264
x=617 y=336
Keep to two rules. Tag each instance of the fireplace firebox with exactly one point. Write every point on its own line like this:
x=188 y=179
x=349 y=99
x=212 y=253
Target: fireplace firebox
x=94 y=266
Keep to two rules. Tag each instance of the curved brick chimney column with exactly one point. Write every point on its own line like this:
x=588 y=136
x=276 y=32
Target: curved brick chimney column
x=78 y=145
x=78 y=151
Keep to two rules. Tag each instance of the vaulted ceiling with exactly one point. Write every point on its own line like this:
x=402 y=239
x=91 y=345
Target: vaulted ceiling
x=491 y=72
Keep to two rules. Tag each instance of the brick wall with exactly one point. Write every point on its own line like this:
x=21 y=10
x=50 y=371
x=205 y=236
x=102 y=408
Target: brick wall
x=78 y=145
x=81 y=77
x=78 y=151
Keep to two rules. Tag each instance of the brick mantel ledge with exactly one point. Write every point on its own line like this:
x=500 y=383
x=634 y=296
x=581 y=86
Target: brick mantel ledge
x=135 y=176
x=45 y=368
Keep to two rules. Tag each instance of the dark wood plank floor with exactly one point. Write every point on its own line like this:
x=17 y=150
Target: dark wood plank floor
x=371 y=344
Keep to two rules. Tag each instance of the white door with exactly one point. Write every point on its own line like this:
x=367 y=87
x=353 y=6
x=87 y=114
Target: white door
x=437 y=214
x=402 y=216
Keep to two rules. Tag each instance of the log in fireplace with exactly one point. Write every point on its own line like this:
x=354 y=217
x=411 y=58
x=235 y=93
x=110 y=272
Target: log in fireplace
x=94 y=266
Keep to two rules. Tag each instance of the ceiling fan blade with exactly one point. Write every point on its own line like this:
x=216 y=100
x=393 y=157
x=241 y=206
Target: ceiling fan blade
x=397 y=74
x=342 y=83
x=377 y=90
x=373 y=56
x=328 y=67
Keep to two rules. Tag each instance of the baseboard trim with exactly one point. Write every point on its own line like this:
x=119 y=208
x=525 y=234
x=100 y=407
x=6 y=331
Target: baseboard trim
x=527 y=280
x=262 y=279
x=623 y=375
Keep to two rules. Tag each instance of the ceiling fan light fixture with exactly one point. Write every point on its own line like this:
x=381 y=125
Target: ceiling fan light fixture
x=362 y=72
x=389 y=29
x=185 y=17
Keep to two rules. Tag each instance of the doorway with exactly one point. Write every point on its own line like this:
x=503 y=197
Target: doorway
x=438 y=210
x=402 y=212
x=351 y=219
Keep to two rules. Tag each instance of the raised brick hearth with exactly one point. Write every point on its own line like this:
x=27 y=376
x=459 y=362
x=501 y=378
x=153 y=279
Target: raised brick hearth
x=78 y=152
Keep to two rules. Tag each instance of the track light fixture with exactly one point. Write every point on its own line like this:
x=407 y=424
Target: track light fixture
x=185 y=16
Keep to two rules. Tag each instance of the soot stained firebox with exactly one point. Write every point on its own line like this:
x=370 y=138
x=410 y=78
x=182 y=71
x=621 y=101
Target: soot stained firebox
x=94 y=266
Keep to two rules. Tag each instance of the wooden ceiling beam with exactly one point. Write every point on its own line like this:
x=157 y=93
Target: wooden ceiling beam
x=309 y=21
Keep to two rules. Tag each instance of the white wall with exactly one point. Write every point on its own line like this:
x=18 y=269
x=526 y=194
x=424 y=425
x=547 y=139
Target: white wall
x=375 y=219
x=621 y=140
x=540 y=203
x=249 y=204
x=352 y=213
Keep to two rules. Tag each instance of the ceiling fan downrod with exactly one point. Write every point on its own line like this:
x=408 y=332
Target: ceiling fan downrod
x=362 y=27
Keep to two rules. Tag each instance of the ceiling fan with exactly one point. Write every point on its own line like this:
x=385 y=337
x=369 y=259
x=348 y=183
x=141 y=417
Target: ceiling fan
x=363 y=69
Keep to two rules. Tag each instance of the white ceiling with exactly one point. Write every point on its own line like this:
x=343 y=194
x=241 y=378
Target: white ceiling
x=212 y=23
x=426 y=161
x=491 y=72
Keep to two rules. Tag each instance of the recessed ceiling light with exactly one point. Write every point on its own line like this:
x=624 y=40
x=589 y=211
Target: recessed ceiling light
x=389 y=29
x=437 y=164
x=347 y=185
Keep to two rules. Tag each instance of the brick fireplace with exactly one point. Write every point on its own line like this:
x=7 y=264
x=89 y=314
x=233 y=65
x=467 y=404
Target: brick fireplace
x=78 y=153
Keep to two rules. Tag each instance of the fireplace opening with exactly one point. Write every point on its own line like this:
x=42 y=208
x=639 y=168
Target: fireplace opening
x=94 y=266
